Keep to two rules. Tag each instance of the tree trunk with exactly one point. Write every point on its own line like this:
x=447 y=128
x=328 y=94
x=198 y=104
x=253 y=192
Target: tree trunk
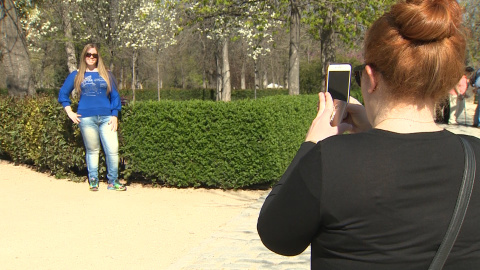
x=40 y=83
x=243 y=71
x=134 y=72
x=294 y=68
x=121 y=83
x=219 y=77
x=158 y=77
x=159 y=74
x=184 y=85
x=242 y=76
x=256 y=78
x=227 y=86
x=327 y=47
x=69 y=46
x=114 y=11
x=204 y=53
x=16 y=60
x=275 y=79
x=204 y=78
x=265 y=80
x=67 y=30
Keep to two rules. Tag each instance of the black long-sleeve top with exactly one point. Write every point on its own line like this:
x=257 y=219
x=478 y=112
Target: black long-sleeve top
x=375 y=200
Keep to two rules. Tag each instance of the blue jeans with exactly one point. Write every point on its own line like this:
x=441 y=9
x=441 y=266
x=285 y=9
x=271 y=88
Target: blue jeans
x=475 y=117
x=95 y=129
x=477 y=112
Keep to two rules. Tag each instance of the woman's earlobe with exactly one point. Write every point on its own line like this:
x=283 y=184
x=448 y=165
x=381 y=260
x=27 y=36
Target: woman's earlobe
x=372 y=80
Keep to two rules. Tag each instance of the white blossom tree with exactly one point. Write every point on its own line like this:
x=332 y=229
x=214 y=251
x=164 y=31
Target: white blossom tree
x=258 y=23
x=219 y=29
x=14 y=53
x=251 y=20
x=46 y=25
x=144 y=24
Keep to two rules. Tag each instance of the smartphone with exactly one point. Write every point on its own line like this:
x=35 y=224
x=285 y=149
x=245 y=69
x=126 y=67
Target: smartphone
x=338 y=85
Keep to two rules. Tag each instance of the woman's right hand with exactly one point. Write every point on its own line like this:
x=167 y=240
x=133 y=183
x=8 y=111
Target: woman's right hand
x=72 y=115
x=357 y=116
x=321 y=128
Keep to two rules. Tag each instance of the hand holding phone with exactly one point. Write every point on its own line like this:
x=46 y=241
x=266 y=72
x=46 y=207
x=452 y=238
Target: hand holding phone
x=321 y=128
x=338 y=85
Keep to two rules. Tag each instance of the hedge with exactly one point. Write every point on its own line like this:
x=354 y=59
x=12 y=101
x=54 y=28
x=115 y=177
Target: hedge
x=214 y=144
x=174 y=143
x=37 y=132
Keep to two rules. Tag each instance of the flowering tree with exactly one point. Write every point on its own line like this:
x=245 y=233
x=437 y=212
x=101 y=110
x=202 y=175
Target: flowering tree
x=46 y=25
x=144 y=24
x=219 y=29
x=221 y=21
x=14 y=49
x=256 y=31
x=332 y=22
x=340 y=20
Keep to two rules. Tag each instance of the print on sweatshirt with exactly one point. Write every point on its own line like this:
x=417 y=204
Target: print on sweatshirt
x=90 y=88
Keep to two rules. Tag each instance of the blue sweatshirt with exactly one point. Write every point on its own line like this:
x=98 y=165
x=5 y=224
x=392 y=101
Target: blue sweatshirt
x=93 y=99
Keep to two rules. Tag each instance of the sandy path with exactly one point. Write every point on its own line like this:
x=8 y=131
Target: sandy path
x=57 y=224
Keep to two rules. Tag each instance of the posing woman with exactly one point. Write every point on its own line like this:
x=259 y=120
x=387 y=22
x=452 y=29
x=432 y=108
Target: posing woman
x=457 y=97
x=97 y=114
x=382 y=197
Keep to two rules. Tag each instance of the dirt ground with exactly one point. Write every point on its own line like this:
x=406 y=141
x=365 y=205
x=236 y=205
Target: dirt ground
x=47 y=223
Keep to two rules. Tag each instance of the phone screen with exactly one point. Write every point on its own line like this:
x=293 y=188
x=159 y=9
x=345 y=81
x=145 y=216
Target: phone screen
x=338 y=84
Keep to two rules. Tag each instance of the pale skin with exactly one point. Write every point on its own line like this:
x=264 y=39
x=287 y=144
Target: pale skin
x=91 y=67
x=380 y=111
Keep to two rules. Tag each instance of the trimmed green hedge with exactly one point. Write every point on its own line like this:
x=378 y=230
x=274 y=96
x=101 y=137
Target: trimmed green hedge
x=37 y=132
x=214 y=144
x=175 y=143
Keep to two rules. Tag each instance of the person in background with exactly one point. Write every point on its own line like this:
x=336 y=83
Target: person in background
x=97 y=114
x=475 y=82
x=382 y=196
x=457 y=96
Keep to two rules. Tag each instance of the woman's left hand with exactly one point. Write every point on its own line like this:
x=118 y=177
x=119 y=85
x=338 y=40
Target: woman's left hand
x=114 y=123
x=321 y=128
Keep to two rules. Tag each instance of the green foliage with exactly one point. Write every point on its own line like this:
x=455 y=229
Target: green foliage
x=311 y=77
x=36 y=131
x=348 y=19
x=194 y=143
x=214 y=144
x=53 y=92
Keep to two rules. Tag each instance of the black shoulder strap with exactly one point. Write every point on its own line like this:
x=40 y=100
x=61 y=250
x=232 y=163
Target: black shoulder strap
x=460 y=208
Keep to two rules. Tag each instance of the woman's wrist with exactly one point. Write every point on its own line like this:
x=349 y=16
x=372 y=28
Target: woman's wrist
x=68 y=109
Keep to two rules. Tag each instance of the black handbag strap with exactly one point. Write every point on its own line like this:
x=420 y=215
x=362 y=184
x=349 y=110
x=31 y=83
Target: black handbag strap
x=460 y=208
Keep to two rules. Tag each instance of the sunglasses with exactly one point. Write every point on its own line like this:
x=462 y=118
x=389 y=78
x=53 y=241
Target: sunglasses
x=357 y=72
x=94 y=55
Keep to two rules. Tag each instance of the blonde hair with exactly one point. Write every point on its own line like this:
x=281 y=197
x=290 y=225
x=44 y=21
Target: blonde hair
x=102 y=70
x=418 y=48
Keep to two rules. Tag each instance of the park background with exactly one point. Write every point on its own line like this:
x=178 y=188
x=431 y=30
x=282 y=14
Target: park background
x=196 y=78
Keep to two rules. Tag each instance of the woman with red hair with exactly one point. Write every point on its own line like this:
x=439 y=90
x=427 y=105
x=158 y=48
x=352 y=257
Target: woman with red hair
x=382 y=196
